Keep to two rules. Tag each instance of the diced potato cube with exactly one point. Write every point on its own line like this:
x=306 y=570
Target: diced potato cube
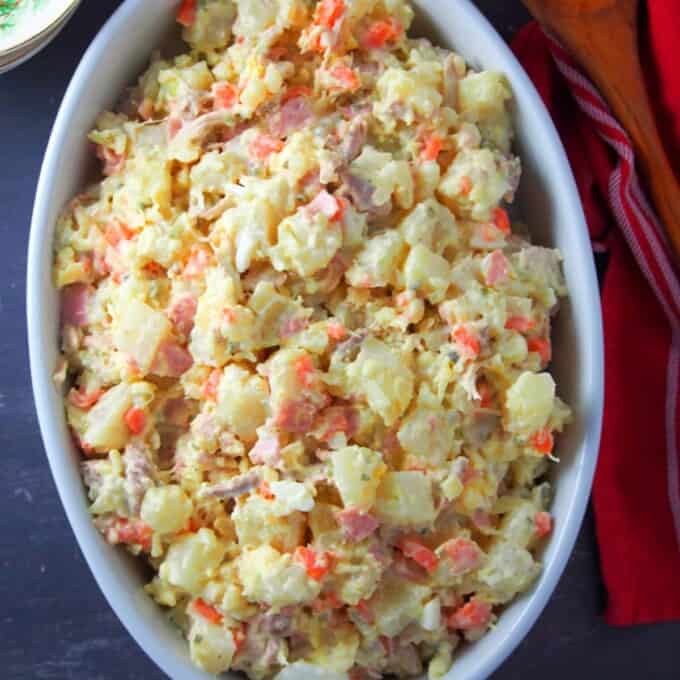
x=483 y=95
x=192 y=561
x=166 y=508
x=428 y=273
x=385 y=377
x=397 y=604
x=306 y=244
x=211 y=646
x=405 y=499
x=106 y=428
x=476 y=181
x=275 y=579
x=378 y=262
x=242 y=402
x=509 y=570
x=258 y=521
x=428 y=435
x=357 y=472
x=529 y=403
x=430 y=224
x=139 y=331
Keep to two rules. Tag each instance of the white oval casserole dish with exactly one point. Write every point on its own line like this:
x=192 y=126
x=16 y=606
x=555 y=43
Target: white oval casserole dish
x=548 y=201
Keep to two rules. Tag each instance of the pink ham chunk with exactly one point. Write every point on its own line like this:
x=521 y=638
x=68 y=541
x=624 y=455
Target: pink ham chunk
x=296 y=416
x=327 y=204
x=357 y=525
x=182 y=312
x=292 y=116
x=496 y=268
x=172 y=360
x=267 y=451
x=74 y=301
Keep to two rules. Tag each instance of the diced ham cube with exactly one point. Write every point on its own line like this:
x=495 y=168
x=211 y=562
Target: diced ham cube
x=357 y=525
x=327 y=204
x=296 y=416
x=74 y=301
x=267 y=451
x=292 y=115
x=182 y=312
x=172 y=360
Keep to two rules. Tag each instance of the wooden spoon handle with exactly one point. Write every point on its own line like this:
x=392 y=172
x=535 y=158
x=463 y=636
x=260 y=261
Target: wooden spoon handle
x=604 y=41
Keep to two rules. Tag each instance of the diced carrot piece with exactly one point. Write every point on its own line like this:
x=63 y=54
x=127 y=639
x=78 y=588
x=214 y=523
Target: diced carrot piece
x=316 y=564
x=240 y=635
x=305 y=370
x=463 y=553
x=380 y=33
x=432 y=147
x=225 y=95
x=465 y=185
x=207 y=611
x=264 y=146
x=471 y=615
x=346 y=77
x=115 y=232
x=134 y=533
x=541 y=346
x=501 y=220
x=416 y=550
x=154 y=269
x=543 y=441
x=467 y=340
x=521 y=324
x=135 y=419
x=543 y=524
x=329 y=12
x=295 y=92
x=336 y=331
x=186 y=14
x=211 y=385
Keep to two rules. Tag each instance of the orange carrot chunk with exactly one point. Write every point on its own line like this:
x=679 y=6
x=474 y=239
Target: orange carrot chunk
x=135 y=419
x=207 y=611
x=186 y=14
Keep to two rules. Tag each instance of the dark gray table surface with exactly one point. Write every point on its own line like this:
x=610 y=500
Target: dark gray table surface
x=54 y=622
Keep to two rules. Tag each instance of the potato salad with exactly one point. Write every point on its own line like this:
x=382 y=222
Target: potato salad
x=305 y=344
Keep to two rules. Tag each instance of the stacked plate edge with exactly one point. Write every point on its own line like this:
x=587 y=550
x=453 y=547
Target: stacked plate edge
x=21 y=52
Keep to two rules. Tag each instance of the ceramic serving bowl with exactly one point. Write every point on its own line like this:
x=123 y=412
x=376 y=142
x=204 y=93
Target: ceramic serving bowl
x=37 y=32
x=548 y=201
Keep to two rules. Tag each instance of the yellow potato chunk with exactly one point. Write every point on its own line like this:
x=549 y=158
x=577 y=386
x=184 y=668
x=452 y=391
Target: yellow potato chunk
x=166 y=508
x=192 y=561
x=529 y=402
x=357 y=472
x=405 y=499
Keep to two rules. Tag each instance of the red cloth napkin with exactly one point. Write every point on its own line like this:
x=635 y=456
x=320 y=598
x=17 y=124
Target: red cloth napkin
x=637 y=486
